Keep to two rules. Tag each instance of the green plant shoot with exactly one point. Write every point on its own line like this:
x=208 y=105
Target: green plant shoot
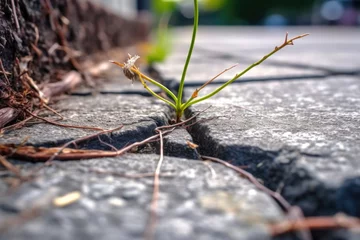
x=176 y=102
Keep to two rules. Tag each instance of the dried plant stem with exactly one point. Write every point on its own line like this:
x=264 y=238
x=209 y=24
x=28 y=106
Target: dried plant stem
x=53 y=111
x=154 y=94
x=150 y=229
x=136 y=71
x=63 y=125
x=79 y=140
x=9 y=166
x=107 y=144
x=284 y=204
x=41 y=154
x=315 y=223
x=18 y=124
x=277 y=48
x=127 y=175
x=4 y=73
x=15 y=16
x=44 y=154
x=196 y=92
x=305 y=233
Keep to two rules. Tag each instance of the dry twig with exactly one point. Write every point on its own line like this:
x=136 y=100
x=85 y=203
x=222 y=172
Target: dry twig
x=79 y=140
x=63 y=125
x=9 y=166
x=315 y=223
x=5 y=73
x=15 y=16
x=127 y=175
x=150 y=229
x=305 y=234
x=196 y=92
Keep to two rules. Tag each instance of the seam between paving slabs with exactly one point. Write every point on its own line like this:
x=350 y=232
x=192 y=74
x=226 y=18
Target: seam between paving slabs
x=277 y=169
x=279 y=63
x=130 y=133
x=277 y=166
x=273 y=167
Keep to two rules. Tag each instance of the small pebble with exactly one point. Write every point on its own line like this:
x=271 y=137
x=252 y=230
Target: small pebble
x=117 y=202
x=67 y=199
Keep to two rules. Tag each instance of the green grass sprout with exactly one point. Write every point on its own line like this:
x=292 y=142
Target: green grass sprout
x=176 y=102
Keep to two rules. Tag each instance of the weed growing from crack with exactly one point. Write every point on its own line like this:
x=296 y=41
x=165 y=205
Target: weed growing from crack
x=176 y=102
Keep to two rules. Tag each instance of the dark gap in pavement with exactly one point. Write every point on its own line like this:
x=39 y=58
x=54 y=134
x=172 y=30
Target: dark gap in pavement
x=270 y=62
x=169 y=83
x=130 y=133
x=277 y=170
x=175 y=143
x=134 y=92
x=243 y=80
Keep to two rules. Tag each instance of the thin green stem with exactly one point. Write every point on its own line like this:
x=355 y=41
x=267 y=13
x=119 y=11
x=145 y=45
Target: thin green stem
x=155 y=94
x=196 y=92
x=165 y=89
x=286 y=42
x=171 y=94
x=182 y=82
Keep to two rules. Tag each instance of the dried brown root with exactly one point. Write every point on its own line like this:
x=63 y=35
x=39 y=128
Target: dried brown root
x=152 y=221
x=315 y=223
x=69 y=81
x=9 y=166
x=61 y=124
x=127 y=175
x=41 y=154
x=293 y=211
x=7 y=115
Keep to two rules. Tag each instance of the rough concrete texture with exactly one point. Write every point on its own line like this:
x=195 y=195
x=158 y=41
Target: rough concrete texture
x=139 y=115
x=219 y=48
x=326 y=49
x=300 y=137
x=299 y=134
x=198 y=200
x=293 y=122
x=179 y=144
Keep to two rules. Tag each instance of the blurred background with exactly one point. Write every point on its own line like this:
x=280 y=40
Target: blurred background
x=245 y=12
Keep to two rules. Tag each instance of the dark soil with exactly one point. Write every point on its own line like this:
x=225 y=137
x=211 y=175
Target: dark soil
x=48 y=38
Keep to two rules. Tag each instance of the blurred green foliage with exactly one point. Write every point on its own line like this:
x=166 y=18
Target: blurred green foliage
x=212 y=5
x=163 y=6
x=161 y=45
x=167 y=6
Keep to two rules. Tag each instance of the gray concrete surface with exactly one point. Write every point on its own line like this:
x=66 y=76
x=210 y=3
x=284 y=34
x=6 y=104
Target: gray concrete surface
x=198 y=200
x=304 y=143
x=139 y=115
x=294 y=121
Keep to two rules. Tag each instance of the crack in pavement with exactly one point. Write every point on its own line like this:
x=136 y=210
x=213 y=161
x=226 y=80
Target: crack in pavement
x=272 y=62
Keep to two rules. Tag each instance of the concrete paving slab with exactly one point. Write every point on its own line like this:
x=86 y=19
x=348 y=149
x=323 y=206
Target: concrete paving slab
x=202 y=70
x=325 y=48
x=139 y=115
x=178 y=144
x=197 y=201
x=302 y=138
